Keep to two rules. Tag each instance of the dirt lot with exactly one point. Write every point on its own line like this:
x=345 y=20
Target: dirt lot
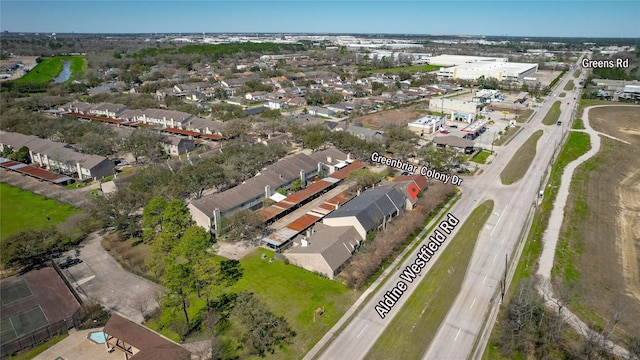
x=394 y=117
x=600 y=238
x=29 y=62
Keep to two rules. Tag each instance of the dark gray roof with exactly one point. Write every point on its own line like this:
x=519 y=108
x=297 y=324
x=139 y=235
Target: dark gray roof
x=454 y=141
x=274 y=175
x=334 y=244
x=371 y=206
x=364 y=133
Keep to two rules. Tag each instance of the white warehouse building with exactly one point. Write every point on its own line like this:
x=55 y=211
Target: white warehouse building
x=503 y=71
x=427 y=124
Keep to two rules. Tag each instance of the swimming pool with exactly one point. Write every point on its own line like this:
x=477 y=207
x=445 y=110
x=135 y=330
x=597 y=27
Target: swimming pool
x=97 y=337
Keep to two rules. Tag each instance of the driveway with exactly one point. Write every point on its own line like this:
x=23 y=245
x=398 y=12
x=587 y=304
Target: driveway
x=100 y=278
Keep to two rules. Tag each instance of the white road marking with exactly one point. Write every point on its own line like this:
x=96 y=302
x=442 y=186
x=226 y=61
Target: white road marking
x=458 y=333
x=485 y=278
x=494 y=258
x=499 y=217
x=361 y=331
x=473 y=302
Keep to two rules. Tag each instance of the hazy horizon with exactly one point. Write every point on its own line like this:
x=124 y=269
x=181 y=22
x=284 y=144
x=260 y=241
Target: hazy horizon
x=564 y=19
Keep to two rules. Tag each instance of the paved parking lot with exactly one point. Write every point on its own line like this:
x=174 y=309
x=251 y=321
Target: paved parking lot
x=100 y=278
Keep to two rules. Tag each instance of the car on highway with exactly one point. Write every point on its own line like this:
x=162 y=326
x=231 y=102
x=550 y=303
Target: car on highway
x=69 y=262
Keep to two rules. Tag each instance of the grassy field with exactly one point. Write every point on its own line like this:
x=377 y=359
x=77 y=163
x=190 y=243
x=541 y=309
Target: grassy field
x=507 y=136
x=553 y=115
x=481 y=157
x=49 y=68
x=290 y=291
x=295 y=293
x=576 y=145
x=411 y=69
x=596 y=259
x=563 y=94
x=21 y=210
x=578 y=124
x=418 y=320
x=521 y=160
x=524 y=117
x=569 y=86
x=31 y=353
x=576 y=74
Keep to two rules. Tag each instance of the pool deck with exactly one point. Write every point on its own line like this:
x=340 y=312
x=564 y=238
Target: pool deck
x=77 y=346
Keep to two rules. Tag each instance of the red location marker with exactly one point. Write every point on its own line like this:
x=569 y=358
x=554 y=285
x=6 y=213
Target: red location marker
x=413 y=191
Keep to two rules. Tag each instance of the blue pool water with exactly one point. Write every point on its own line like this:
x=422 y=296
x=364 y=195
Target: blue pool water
x=97 y=337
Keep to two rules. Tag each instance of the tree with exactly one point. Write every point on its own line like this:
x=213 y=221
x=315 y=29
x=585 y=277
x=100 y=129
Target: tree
x=314 y=138
x=152 y=216
x=265 y=331
x=147 y=143
x=28 y=247
x=364 y=178
x=178 y=279
x=22 y=155
x=296 y=185
x=244 y=225
x=96 y=144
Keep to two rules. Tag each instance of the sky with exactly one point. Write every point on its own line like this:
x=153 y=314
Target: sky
x=560 y=18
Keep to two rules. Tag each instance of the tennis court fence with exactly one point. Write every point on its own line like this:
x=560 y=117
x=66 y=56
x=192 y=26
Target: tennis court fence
x=40 y=335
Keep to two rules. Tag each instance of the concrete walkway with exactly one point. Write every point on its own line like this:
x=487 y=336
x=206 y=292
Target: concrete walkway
x=78 y=347
x=552 y=233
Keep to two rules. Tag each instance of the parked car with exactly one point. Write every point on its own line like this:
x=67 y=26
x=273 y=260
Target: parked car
x=69 y=263
x=559 y=123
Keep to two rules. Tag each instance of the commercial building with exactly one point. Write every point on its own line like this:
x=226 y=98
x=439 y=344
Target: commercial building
x=427 y=124
x=458 y=109
x=503 y=71
x=453 y=60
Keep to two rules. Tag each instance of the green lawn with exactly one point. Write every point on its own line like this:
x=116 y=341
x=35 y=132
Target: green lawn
x=576 y=74
x=553 y=115
x=563 y=94
x=525 y=115
x=21 y=210
x=482 y=156
x=295 y=293
x=570 y=85
x=411 y=69
x=287 y=290
x=519 y=164
x=413 y=328
x=578 y=124
x=507 y=136
x=31 y=353
x=49 y=68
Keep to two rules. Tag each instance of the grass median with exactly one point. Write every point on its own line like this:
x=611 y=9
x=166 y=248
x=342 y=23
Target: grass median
x=553 y=115
x=413 y=328
x=521 y=160
x=570 y=85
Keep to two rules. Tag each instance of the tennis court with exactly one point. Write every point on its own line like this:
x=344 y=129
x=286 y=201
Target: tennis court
x=22 y=323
